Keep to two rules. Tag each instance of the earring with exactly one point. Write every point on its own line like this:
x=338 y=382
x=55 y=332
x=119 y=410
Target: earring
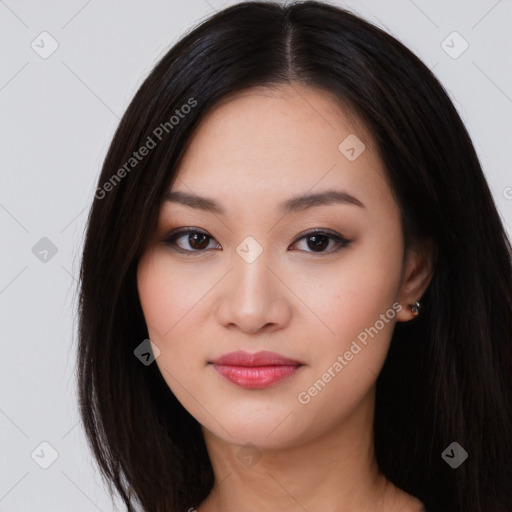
x=414 y=308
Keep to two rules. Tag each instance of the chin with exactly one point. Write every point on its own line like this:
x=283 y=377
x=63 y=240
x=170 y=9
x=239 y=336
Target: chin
x=265 y=432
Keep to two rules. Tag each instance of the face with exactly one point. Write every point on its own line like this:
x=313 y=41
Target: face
x=317 y=281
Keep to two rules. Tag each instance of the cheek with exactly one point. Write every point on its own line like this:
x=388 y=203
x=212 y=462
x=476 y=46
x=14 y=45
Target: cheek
x=358 y=307
x=353 y=297
x=167 y=298
x=166 y=295
x=157 y=301
x=174 y=300
x=356 y=312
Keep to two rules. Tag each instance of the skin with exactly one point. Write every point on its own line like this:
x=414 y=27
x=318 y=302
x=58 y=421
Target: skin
x=252 y=151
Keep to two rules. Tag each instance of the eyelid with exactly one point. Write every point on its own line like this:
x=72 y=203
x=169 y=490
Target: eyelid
x=319 y=231
x=342 y=241
x=177 y=233
x=174 y=234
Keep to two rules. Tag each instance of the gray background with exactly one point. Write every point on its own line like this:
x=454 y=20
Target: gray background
x=58 y=115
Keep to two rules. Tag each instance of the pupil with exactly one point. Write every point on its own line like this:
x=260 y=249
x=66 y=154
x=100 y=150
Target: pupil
x=319 y=242
x=193 y=240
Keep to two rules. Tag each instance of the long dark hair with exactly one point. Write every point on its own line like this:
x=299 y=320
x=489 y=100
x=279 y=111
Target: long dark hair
x=447 y=377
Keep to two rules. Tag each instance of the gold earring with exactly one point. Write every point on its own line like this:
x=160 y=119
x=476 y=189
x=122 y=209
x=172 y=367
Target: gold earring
x=414 y=308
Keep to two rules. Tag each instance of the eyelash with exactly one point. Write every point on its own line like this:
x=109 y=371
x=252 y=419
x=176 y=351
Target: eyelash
x=170 y=240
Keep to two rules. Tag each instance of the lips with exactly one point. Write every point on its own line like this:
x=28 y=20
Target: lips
x=255 y=371
x=241 y=358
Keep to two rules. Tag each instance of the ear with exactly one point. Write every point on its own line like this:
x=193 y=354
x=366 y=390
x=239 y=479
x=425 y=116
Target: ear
x=419 y=264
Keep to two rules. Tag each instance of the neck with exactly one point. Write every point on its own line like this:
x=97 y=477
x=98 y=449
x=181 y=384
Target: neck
x=335 y=472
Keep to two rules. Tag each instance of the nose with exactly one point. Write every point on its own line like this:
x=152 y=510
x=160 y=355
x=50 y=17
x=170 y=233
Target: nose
x=253 y=298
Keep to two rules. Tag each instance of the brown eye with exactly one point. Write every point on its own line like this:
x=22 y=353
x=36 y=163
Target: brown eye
x=192 y=241
x=189 y=241
x=198 y=241
x=318 y=241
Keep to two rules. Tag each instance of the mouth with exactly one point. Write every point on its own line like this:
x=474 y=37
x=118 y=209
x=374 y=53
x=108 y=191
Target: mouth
x=255 y=371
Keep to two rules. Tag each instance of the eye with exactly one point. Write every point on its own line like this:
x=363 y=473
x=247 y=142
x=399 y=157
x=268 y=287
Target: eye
x=318 y=240
x=189 y=240
x=193 y=240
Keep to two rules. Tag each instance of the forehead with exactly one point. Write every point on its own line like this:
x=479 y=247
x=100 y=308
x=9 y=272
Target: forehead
x=271 y=143
x=262 y=121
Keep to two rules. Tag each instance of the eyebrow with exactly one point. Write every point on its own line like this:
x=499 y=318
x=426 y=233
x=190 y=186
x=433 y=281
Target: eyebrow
x=294 y=204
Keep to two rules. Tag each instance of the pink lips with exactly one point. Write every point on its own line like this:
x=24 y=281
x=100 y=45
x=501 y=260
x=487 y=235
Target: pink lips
x=255 y=371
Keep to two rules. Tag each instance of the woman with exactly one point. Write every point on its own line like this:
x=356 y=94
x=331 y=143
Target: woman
x=296 y=290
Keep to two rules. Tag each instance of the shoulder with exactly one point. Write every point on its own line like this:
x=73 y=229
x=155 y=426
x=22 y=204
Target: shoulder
x=413 y=504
